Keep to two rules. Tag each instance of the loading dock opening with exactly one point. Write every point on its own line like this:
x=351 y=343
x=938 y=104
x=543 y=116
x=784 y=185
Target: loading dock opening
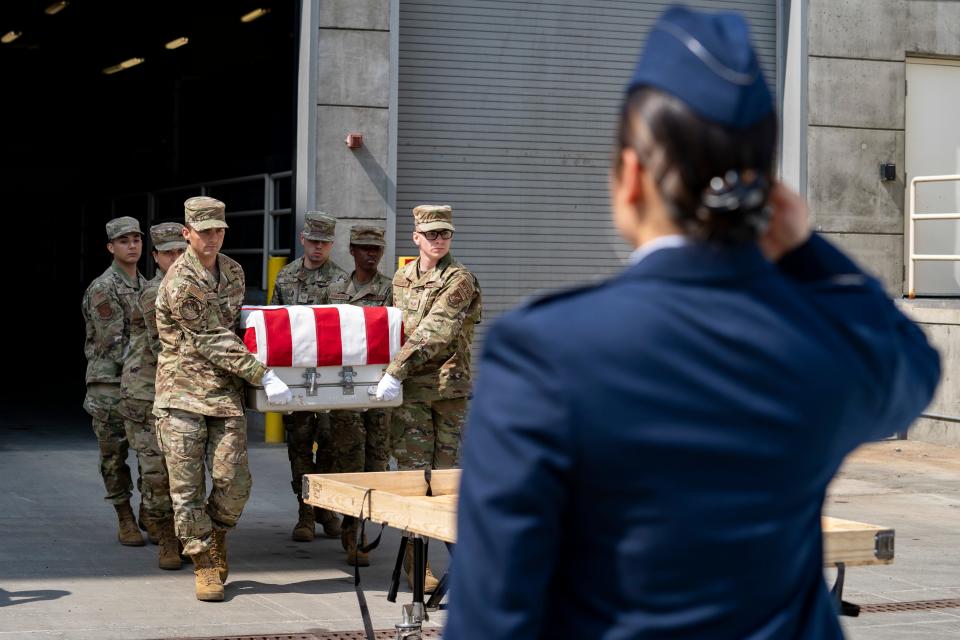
x=117 y=108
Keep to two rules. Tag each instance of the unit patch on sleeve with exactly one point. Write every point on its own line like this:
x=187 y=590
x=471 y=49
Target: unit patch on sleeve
x=190 y=309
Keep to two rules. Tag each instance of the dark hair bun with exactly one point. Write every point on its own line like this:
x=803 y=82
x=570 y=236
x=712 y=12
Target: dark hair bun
x=715 y=179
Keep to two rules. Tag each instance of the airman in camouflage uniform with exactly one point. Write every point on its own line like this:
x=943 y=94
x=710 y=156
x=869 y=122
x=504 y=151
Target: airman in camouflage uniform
x=199 y=393
x=359 y=440
x=440 y=300
x=441 y=306
x=107 y=310
x=307 y=280
x=138 y=385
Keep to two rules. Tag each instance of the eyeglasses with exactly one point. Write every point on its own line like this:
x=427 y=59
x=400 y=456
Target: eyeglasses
x=446 y=234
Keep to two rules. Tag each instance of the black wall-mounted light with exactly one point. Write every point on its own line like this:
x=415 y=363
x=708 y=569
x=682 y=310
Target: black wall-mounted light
x=888 y=172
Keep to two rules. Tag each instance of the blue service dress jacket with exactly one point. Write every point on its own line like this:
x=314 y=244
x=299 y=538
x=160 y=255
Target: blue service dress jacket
x=647 y=458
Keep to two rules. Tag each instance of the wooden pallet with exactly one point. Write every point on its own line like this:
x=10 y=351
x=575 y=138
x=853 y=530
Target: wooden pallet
x=399 y=499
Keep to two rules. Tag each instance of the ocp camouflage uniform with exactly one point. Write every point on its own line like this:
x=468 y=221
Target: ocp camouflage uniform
x=138 y=383
x=108 y=305
x=199 y=401
x=296 y=284
x=359 y=440
x=440 y=310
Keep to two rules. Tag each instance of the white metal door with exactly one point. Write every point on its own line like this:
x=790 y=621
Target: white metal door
x=933 y=148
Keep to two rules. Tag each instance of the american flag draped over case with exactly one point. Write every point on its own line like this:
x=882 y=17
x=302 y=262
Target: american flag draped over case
x=323 y=335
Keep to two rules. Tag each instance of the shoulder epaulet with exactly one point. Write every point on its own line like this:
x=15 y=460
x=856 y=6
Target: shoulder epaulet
x=292 y=267
x=98 y=284
x=178 y=268
x=168 y=275
x=96 y=295
x=405 y=272
x=231 y=263
x=176 y=280
x=456 y=266
x=551 y=295
x=149 y=290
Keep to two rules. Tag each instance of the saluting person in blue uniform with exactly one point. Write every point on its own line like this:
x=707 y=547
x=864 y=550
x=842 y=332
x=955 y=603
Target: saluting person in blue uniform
x=648 y=457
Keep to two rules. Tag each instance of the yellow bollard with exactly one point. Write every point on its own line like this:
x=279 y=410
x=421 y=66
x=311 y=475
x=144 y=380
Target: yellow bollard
x=274 y=264
x=274 y=428
x=274 y=421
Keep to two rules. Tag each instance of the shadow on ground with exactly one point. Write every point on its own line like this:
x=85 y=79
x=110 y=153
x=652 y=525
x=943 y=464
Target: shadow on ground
x=52 y=504
x=12 y=598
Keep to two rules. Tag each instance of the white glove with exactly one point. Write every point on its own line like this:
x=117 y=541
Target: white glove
x=387 y=389
x=276 y=389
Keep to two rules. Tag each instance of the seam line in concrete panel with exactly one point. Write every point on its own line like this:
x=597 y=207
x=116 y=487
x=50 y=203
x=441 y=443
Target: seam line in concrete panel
x=861 y=233
x=936 y=323
x=353 y=29
x=855 y=59
x=350 y=106
x=847 y=126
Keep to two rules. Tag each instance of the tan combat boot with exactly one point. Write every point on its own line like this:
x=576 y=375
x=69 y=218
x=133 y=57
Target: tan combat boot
x=149 y=525
x=218 y=553
x=183 y=556
x=129 y=533
x=348 y=537
x=169 y=546
x=304 y=531
x=209 y=587
x=329 y=521
x=430 y=582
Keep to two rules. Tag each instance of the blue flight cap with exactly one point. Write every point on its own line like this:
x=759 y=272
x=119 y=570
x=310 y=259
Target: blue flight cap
x=707 y=61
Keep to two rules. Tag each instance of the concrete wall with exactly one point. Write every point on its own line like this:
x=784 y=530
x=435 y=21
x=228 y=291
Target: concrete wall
x=855 y=104
x=940 y=319
x=855 y=122
x=857 y=51
x=353 y=96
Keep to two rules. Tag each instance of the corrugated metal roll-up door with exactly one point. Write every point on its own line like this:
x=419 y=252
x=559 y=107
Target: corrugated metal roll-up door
x=507 y=112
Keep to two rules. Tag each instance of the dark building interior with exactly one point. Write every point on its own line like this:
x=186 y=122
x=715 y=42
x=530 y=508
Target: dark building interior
x=80 y=145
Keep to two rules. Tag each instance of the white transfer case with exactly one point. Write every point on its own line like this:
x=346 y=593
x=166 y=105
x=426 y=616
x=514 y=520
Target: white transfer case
x=325 y=388
x=296 y=341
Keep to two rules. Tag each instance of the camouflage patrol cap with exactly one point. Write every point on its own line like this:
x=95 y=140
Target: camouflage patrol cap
x=429 y=217
x=121 y=227
x=367 y=235
x=202 y=212
x=167 y=235
x=319 y=225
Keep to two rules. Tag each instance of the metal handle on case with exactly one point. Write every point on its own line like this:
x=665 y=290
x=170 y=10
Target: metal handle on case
x=310 y=375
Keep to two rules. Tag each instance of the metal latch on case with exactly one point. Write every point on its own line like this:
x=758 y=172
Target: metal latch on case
x=346 y=374
x=310 y=375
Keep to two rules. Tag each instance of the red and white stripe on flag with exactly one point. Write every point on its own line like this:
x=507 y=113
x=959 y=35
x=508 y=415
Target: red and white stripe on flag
x=322 y=336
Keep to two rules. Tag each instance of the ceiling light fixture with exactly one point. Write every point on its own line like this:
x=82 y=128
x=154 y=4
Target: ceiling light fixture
x=253 y=15
x=126 y=64
x=177 y=43
x=10 y=36
x=56 y=7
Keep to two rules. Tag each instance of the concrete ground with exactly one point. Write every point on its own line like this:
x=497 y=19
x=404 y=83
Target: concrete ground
x=63 y=575
x=914 y=488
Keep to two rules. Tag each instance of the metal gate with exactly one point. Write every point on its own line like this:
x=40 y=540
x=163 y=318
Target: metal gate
x=258 y=212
